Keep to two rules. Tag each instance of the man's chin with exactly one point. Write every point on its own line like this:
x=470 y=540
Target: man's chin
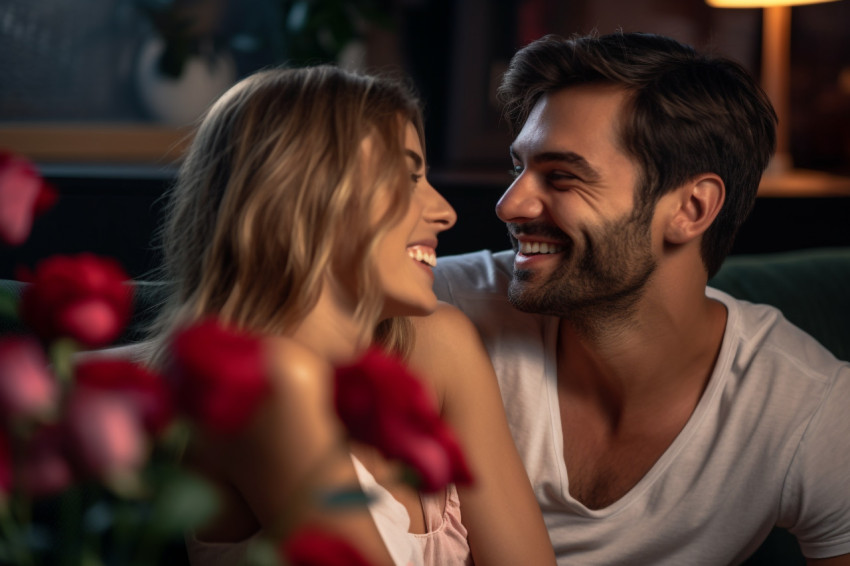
x=521 y=297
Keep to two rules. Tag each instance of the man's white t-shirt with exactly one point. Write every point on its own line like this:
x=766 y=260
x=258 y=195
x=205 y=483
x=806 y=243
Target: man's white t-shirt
x=768 y=443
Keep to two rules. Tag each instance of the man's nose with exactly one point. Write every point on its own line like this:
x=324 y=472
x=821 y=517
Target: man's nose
x=520 y=202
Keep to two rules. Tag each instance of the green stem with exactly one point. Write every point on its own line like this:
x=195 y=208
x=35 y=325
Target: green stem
x=12 y=532
x=70 y=536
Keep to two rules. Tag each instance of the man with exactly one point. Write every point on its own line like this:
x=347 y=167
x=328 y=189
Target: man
x=660 y=422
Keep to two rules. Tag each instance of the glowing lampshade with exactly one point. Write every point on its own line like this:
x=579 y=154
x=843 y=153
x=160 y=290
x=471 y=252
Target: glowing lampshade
x=776 y=56
x=760 y=3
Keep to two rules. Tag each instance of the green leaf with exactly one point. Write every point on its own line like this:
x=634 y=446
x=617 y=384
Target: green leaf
x=8 y=305
x=345 y=498
x=184 y=501
x=61 y=355
x=262 y=552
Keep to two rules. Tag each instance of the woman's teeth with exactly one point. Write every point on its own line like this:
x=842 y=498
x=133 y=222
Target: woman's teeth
x=527 y=248
x=426 y=257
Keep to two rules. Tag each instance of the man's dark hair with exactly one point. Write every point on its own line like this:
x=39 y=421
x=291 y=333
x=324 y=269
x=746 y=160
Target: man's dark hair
x=687 y=113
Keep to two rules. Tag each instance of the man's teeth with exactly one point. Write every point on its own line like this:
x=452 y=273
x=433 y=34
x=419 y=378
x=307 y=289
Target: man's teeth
x=527 y=248
x=429 y=258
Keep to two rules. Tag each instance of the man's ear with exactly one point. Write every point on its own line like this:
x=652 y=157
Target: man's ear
x=699 y=202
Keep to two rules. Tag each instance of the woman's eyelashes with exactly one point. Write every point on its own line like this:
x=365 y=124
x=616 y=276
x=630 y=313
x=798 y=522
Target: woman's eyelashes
x=415 y=177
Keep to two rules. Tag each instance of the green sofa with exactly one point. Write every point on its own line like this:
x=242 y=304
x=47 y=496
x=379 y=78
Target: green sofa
x=811 y=287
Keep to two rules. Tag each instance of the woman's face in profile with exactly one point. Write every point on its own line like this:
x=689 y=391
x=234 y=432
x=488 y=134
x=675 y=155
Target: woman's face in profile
x=406 y=254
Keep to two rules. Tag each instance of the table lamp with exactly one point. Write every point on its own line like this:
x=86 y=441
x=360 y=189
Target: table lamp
x=776 y=57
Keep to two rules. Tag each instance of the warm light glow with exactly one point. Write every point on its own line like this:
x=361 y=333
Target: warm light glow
x=760 y=3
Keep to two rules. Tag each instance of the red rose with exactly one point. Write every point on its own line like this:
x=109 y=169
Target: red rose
x=45 y=469
x=5 y=463
x=310 y=546
x=27 y=387
x=85 y=297
x=146 y=391
x=219 y=375
x=381 y=403
x=23 y=195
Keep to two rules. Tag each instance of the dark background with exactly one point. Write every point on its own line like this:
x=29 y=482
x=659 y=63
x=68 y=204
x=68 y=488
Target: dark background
x=72 y=61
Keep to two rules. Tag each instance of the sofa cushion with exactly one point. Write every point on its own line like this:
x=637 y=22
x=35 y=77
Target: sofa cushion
x=811 y=288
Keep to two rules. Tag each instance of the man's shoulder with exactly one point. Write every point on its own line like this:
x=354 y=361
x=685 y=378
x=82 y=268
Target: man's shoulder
x=477 y=273
x=763 y=331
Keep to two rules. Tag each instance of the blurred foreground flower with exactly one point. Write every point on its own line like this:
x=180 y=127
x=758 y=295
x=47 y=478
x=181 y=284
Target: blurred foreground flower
x=84 y=297
x=108 y=439
x=45 y=469
x=27 y=388
x=23 y=195
x=89 y=448
x=381 y=403
x=89 y=470
x=310 y=546
x=5 y=465
x=219 y=375
x=145 y=392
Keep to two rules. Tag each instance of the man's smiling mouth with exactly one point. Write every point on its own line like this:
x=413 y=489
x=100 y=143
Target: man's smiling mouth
x=538 y=248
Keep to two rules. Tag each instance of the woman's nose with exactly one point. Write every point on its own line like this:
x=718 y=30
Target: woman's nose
x=438 y=210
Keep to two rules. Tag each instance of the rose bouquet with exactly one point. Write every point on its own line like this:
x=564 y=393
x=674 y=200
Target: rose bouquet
x=90 y=442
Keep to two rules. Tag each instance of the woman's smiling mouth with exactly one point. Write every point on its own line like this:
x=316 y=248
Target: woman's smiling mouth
x=423 y=254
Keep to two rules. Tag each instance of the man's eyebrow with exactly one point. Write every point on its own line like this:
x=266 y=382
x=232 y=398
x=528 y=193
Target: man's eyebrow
x=417 y=159
x=583 y=168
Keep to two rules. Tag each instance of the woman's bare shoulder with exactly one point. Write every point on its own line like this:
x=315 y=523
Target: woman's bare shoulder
x=292 y=364
x=446 y=325
x=447 y=350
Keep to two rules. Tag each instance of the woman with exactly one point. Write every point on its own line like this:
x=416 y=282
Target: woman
x=302 y=212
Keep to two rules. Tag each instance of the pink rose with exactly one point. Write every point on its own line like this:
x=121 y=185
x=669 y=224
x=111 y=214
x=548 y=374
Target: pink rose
x=45 y=469
x=106 y=437
x=146 y=391
x=219 y=375
x=381 y=403
x=310 y=546
x=23 y=195
x=27 y=388
x=85 y=297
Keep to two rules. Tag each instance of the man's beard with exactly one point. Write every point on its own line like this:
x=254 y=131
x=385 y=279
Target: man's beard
x=604 y=278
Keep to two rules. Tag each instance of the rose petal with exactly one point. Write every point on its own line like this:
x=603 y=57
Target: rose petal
x=106 y=433
x=5 y=463
x=45 y=468
x=310 y=546
x=27 y=388
x=382 y=404
x=85 y=297
x=219 y=375
x=146 y=391
x=92 y=321
x=20 y=187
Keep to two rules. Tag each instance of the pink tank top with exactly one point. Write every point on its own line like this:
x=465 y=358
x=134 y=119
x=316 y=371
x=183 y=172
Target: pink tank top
x=445 y=542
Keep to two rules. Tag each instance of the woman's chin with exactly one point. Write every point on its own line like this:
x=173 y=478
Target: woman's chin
x=422 y=307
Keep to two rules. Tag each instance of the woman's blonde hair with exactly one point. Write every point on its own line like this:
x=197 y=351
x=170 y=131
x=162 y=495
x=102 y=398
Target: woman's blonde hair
x=274 y=193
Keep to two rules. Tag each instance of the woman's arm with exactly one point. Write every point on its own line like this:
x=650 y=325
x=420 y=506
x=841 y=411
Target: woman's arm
x=500 y=512
x=293 y=450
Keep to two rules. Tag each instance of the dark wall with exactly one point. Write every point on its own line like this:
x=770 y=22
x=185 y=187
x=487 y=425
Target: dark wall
x=113 y=213
x=116 y=212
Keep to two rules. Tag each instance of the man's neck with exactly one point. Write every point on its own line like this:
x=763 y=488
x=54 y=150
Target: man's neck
x=625 y=395
x=663 y=352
